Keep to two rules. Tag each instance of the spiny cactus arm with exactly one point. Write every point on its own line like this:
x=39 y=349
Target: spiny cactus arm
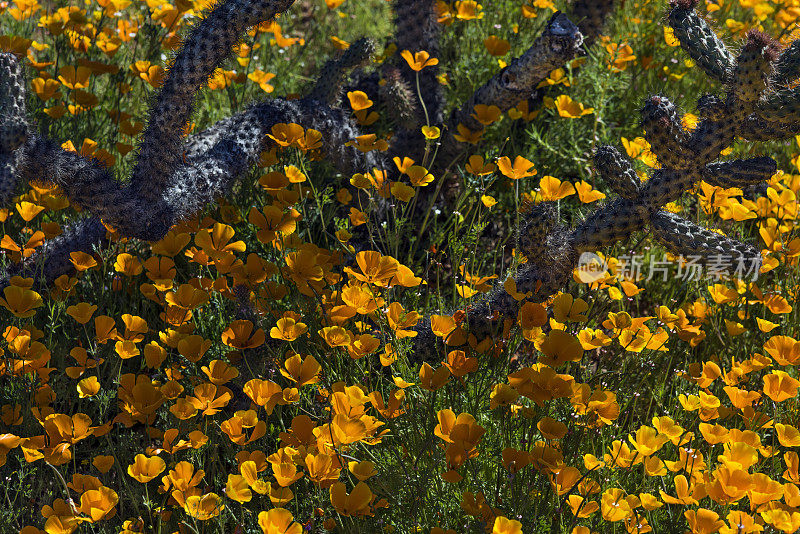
x=749 y=77
x=686 y=158
x=558 y=43
x=52 y=259
x=684 y=238
x=326 y=89
x=664 y=131
x=591 y=16
x=617 y=171
x=699 y=39
x=13 y=123
x=612 y=222
x=724 y=118
x=233 y=147
x=329 y=82
x=787 y=68
x=758 y=129
x=209 y=43
x=140 y=209
x=740 y=173
x=780 y=107
x=220 y=159
x=201 y=142
x=90 y=185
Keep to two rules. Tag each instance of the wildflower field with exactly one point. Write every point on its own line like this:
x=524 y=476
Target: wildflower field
x=407 y=266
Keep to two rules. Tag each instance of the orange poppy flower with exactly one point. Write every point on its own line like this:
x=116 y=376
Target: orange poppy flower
x=128 y=264
x=237 y=489
x=356 y=503
x=521 y=168
x=204 y=507
x=145 y=469
x=478 y=167
x=264 y=393
x=486 y=115
x=240 y=335
x=286 y=134
x=219 y=372
x=194 y=347
x=99 y=503
x=74 y=77
x=432 y=380
x=88 y=387
x=217 y=240
x=278 y=521
x=288 y=329
x=301 y=371
x=375 y=268
x=419 y=60
x=28 y=210
x=22 y=302
x=209 y=398
x=459 y=364
x=465 y=135
x=262 y=79
x=779 y=386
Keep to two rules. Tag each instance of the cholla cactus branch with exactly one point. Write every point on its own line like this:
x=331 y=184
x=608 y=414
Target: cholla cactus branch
x=13 y=124
x=214 y=159
x=699 y=40
x=748 y=79
x=332 y=74
x=617 y=171
x=684 y=238
x=740 y=173
x=558 y=43
x=787 y=68
x=686 y=157
x=221 y=155
x=664 y=131
x=208 y=44
x=757 y=129
x=90 y=185
x=535 y=228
